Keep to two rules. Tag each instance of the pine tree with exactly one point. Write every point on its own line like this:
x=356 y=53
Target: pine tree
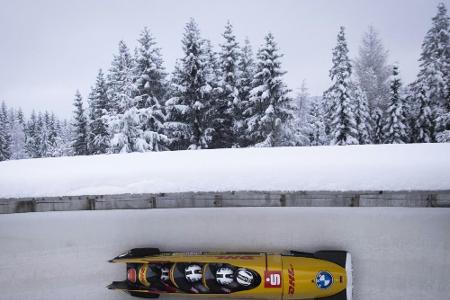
x=316 y=125
x=151 y=88
x=125 y=127
x=32 y=137
x=121 y=68
x=5 y=137
x=188 y=123
x=269 y=107
x=65 y=135
x=44 y=133
x=227 y=104
x=80 y=138
x=378 y=121
x=17 y=132
x=424 y=122
x=299 y=128
x=372 y=70
x=411 y=110
x=98 y=128
x=362 y=116
x=246 y=67
x=149 y=71
x=394 y=130
x=342 y=123
x=434 y=73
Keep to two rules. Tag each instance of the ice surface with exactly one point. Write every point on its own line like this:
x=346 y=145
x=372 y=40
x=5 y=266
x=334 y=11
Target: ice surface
x=371 y=167
x=398 y=253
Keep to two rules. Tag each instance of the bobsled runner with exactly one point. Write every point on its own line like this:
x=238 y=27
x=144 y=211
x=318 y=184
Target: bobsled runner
x=240 y=275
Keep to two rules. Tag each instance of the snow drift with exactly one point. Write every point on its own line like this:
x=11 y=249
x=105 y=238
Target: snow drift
x=349 y=168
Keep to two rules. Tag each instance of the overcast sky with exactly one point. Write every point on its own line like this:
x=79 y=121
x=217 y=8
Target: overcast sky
x=48 y=49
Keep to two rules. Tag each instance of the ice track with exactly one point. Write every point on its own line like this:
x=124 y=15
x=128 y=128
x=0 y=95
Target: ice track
x=398 y=253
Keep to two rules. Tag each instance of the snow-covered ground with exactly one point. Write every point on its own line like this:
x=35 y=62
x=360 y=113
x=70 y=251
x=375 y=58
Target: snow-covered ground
x=371 y=167
x=398 y=253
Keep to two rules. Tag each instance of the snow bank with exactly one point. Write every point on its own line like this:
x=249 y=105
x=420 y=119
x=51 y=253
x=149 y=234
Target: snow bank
x=371 y=167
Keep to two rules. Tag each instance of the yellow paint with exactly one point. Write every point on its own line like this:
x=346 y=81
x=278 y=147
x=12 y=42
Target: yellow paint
x=297 y=273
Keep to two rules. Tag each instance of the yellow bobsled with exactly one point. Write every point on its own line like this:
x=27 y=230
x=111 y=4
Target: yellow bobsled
x=290 y=275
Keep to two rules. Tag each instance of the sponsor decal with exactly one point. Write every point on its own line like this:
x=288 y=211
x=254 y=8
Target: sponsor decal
x=132 y=275
x=272 y=279
x=244 y=257
x=291 y=274
x=324 y=279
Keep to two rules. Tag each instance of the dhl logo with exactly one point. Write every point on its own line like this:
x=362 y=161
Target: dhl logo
x=245 y=257
x=291 y=275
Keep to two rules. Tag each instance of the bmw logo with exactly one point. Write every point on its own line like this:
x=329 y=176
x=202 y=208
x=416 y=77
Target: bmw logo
x=324 y=280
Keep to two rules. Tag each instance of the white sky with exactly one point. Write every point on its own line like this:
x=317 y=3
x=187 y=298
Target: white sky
x=48 y=49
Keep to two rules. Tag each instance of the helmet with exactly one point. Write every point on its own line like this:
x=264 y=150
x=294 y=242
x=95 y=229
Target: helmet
x=193 y=273
x=244 y=277
x=164 y=273
x=224 y=276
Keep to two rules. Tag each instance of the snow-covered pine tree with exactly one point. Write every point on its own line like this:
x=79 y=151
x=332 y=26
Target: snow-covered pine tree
x=212 y=72
x=394 y=130
x=434 y=73
x=121 y=68
x=17 y=132
x=362 y=115
x=65 y=137
x=269 y=107
x=149 y=71
x=41 y=141
x=372 y=71
x=177 y=125
x=55 y=143
x=227 y=103
x=411 y=111
x=98 y=127
x=80 y=127
x=150 y=90
x=188 y=123
x=5 y=137
x=341 y=108
x=246 y=67
x=44 y=132
x=378 y=123
x=32 y=137
x=125 y=127
x=424 y=125
x=315 y=124
x=299 y=126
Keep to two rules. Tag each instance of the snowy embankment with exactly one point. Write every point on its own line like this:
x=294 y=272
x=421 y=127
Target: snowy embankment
x=398 y=253
x=349 y=168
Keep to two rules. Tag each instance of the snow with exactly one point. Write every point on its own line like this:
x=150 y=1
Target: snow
x=328 y=168
x=397 y=253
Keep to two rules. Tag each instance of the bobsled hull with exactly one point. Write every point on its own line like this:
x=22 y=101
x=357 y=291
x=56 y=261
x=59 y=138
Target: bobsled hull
x=290 y=275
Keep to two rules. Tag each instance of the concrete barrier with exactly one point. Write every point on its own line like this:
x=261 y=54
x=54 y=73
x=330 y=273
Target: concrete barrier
x=229 y=199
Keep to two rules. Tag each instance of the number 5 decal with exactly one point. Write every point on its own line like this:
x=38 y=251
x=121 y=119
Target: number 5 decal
x=272 y=279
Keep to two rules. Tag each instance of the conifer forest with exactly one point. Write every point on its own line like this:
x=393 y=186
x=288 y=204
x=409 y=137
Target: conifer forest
x=233 y=95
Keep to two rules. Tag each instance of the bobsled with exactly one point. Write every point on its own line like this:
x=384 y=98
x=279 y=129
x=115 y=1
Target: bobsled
x=238 y=275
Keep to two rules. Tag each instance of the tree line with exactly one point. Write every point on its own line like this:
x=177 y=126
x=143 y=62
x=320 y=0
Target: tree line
x=231 y=98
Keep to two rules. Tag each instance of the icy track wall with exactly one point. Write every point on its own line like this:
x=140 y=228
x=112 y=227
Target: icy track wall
x=228 y=199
